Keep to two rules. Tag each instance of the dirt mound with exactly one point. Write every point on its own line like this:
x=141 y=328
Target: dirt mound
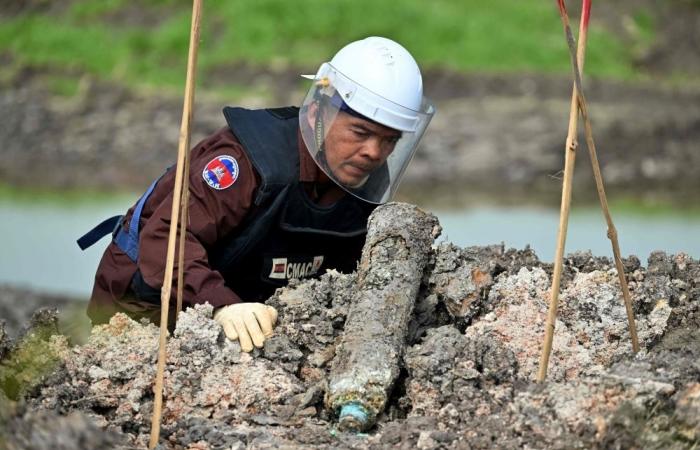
x=18 y=304
x=466 y=378
x=492 y=134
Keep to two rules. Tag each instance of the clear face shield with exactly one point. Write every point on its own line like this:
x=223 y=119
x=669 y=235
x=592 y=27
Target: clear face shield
x=366 y=147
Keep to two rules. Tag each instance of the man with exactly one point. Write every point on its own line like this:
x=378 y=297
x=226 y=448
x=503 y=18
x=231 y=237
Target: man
x=276 y=194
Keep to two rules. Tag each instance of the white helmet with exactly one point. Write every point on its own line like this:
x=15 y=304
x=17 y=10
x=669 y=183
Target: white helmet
x=378 y=80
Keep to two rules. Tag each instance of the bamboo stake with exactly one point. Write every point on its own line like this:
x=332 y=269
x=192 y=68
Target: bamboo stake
x=579 y=103
x=612 y=231
x=184 y=221
x=174 y=217
x=569 y=163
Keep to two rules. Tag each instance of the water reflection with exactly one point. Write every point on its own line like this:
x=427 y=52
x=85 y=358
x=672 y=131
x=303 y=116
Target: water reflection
x=39 y=250
x=38 y=243
x=638 y=234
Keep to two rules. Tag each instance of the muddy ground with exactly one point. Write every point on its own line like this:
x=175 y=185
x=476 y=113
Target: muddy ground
x=491 y=134
x=18 y=304
x=466 y=376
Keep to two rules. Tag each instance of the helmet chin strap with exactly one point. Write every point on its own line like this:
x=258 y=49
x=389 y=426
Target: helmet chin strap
x=319 y=129
x=319 y=136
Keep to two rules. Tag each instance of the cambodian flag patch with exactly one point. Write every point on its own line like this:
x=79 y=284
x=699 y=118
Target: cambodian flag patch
x=221 y=172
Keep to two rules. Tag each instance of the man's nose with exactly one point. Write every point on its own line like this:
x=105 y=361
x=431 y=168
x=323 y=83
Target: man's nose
x=372 y=149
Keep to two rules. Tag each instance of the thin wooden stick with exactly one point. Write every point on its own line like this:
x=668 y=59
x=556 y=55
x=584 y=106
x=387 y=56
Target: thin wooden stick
x=184 y=222
x=612 y=231
x=569 y=163
x=174 y=216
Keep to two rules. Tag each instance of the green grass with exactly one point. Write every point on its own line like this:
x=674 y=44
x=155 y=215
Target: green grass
x=64 y=86
x=463 y=35
x=658 y=207
x=73 y=197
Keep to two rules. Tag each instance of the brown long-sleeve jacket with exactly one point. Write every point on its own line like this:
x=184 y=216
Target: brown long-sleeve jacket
x=213 y=214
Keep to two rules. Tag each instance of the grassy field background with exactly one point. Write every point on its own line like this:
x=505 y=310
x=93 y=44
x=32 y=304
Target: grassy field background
x=144 y=44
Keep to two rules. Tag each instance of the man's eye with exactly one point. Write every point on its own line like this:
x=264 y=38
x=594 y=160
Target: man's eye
x=361 y=134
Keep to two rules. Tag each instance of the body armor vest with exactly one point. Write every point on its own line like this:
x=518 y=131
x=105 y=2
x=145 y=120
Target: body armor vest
x=286 y=236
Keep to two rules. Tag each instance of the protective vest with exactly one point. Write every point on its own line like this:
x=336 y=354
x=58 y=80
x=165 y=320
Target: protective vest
x=287 y=236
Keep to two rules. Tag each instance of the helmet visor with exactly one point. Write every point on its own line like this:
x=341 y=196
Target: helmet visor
x=365 y=157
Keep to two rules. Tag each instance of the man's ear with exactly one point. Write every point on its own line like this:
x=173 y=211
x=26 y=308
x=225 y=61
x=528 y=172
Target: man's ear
x=311 y=115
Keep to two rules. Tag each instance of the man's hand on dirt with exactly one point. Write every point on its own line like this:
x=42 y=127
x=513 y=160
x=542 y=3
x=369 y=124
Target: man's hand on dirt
x=250 y=323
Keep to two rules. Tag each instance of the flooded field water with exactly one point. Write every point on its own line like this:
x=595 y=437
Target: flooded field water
x=39 y=249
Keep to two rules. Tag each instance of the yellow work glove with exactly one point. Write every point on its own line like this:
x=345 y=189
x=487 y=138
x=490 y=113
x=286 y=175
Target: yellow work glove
x=250 y=323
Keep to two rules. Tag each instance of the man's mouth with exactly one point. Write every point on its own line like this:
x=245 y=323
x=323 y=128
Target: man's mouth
x=357 y=170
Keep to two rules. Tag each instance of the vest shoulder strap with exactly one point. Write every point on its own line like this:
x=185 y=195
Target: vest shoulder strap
x=285 y=112
x=270 y=138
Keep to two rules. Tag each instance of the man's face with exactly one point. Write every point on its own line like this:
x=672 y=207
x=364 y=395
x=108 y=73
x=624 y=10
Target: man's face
x=355 y=147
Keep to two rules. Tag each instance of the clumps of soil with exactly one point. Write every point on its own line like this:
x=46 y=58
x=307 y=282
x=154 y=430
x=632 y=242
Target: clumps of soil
x=467 y=377
x=38 y=429
x=18 y=305
x=25 y=364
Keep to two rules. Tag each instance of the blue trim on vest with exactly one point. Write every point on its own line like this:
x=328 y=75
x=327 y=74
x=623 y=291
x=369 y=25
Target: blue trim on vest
x=128 y=242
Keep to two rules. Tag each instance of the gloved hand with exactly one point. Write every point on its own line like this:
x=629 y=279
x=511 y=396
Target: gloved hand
x=250 y=323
